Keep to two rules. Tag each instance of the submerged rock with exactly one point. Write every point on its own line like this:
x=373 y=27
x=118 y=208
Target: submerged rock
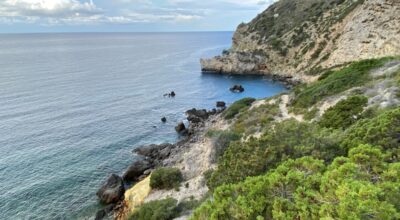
x=112 y=190
x=135 y=170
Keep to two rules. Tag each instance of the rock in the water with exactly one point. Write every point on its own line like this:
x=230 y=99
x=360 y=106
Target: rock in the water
x=237 y=88
x=112 y=190
x=172 y=94
x=180 y=128
x=221 y=104
x=135 y=170
x=164 y=119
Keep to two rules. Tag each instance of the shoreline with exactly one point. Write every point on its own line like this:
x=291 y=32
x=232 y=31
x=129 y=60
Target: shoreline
x=193 y=155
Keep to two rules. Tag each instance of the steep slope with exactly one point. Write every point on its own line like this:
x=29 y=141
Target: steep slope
x=295 y=39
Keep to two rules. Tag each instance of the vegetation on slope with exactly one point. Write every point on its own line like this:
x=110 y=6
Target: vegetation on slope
x=298 y=170
x=343 y=165
x=334 y=82
x=360 y=186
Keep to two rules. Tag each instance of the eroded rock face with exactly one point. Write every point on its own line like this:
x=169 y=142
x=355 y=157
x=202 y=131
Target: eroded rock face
x=293 y=40
x=112 y=190
x=136 y=169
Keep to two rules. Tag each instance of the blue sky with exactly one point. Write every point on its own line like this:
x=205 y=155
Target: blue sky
x=126 y=15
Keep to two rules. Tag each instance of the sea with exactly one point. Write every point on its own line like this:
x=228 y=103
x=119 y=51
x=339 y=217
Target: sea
x=73 y=106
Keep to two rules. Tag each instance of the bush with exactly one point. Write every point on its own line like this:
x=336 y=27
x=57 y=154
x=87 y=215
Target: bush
x=221 y=140
x=360 y=186
x=256 y=120
x=288 y=139
x=344 y=113
x=166 y=178
x=356 y=74
x=238 y=106
x=165 y=209
x=382 y=130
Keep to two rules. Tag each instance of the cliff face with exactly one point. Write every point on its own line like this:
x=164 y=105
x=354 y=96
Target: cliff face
x=295 y=39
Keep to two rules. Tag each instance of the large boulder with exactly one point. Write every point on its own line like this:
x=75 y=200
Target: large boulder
x=181 y=128
x=135 y=170
x=112 y=190
x=197 y=115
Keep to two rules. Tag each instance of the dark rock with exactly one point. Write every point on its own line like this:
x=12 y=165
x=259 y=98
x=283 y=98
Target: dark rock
x=237 y=88
x=164 y=119
x=221 y=104
x=180 y=128
x=105 y=212
x=201 y=113
x=155 y=153
x=135 y=170
x=112 y=190
x=194 y=119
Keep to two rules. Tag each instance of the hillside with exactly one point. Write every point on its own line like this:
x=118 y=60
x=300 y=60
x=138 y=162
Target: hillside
x=296 y=38
x=327 y=149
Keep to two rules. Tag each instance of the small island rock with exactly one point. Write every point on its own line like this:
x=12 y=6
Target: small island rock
x=221 y=104
x=237 y=88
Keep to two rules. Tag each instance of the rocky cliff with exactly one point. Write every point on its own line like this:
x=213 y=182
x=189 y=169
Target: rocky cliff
x=296 y=39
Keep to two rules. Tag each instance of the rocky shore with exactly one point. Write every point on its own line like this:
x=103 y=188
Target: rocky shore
x=190 y=154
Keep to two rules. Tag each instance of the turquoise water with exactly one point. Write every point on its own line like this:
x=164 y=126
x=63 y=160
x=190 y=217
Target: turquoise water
x=73 y=106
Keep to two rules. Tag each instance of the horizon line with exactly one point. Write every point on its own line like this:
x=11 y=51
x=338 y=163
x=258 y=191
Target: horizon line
x=111 y=32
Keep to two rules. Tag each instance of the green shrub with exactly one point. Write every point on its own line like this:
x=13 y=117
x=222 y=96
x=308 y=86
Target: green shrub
x=256 y=120
x=344 y=113
x=356 y=74
x=166 y=178
x=360 y=186
x=165 y=209
x=382 y=130
x=288 y=139
x=221 y=140
x=238 y=106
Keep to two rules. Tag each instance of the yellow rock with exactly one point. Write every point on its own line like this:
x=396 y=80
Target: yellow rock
x=135 y=196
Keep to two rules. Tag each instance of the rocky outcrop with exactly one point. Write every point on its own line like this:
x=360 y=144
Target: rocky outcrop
x=293 y=40
x=136 y=169
x=181 y=128
x=112 y=190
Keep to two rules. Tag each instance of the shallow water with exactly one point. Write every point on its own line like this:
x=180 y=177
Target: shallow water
x=73 y=106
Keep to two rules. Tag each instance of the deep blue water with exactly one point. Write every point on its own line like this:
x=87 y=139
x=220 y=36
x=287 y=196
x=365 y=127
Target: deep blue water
x=73 y=106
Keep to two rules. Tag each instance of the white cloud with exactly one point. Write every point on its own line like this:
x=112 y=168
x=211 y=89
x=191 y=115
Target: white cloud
x=77 y=12
x=47 y=8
